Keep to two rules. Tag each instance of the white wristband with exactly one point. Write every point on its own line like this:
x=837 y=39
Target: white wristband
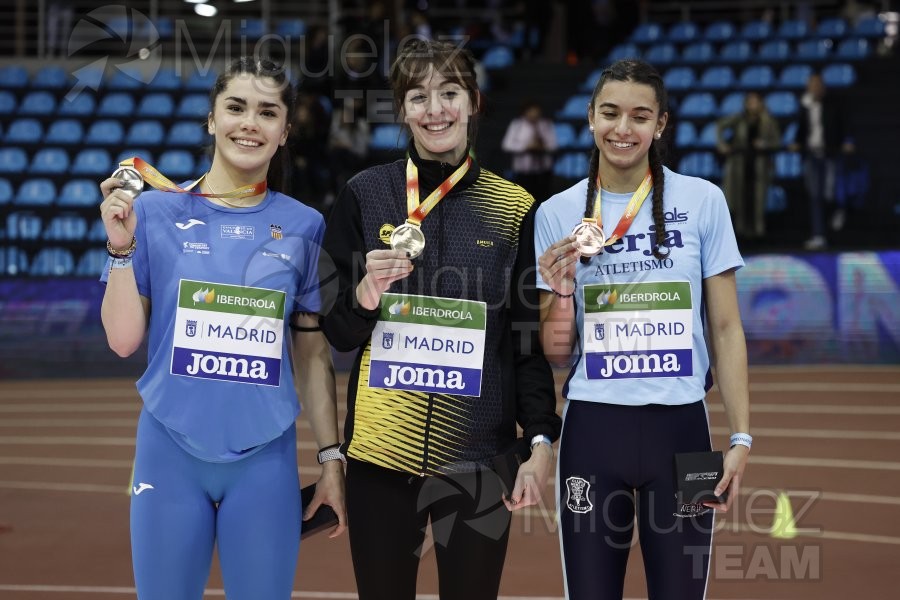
x=741 y=439
x=121 y=263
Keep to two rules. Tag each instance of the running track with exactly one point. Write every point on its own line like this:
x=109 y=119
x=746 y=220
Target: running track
x=828 y=436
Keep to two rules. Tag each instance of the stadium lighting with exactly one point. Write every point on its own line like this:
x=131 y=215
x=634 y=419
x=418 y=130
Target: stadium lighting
x=206 y=10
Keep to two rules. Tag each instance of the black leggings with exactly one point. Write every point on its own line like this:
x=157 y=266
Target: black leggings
x=616 y=464
x=388 y=512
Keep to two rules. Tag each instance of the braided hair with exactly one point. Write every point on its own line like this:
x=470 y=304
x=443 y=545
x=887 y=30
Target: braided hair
x=636 y=71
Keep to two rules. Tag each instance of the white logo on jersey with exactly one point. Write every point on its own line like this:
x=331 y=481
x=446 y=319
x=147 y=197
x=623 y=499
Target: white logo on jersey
x=189 y=224
x=141 y=487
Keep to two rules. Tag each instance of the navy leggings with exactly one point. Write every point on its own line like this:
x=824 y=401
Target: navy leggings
x=181 y=506
x=616 y=465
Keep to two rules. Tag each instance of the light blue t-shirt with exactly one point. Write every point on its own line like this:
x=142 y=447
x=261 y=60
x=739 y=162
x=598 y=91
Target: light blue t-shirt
x=639 y=319
x=223 y=284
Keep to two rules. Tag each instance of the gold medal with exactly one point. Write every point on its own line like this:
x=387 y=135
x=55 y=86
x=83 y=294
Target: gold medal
x=589 y=238
x=133 y=182
x=408 y=238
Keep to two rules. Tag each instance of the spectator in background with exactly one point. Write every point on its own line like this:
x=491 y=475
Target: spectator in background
x=531 y=139
x=754 y=135
x=348 y=143
x=822 y=139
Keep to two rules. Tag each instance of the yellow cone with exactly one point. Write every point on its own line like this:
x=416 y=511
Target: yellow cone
x=784 y=526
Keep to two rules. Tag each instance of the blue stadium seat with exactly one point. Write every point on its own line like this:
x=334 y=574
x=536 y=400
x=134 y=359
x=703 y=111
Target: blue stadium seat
x=50 y=77
x=66 y=227
x=853 y=49
x=698 y=52
x=790 y=133
x=792 y=29
x=200 y=82
x=251 y=29
x=626 y=50
x=782 y=104
x=13 y=77
x=575 y=107
x=8 y=102
x=661 y=54
x=204 y=162
x=679 y=78
x=13 y=160
x=387 y=137
x=776 y=199
x=813 y=50
x=498 y=57
x=565 y=135
x=794 y=77
x=585 y=138
x=23 y=225
x=97 y=231
x=187 y=133
x=176 y=164
x=719 y=31
x=49 y=161
x=646 y=33
x=867 y=27
x=683 y=32
x=699 y=164
x=166 y=79
x=293 y=28
x=116 y=104
x=92 y=263
x=775 y=51
x=82 y=105
x=717 y=78
x=757 y=77
x=93 y=162
x=36 y=192
x=731 y=104
x=146 y=132
x=788 y=165
x=80 y=192
x=24 y=131
x=193 y=106
x=685 y=134
x=6 y=191
x=756 y=31
x=707 y=139
x=832 y=27
x=105 y=132
x=14 y=261
x=736 y=52
x=65 y=132
x=125 y=79
x=591 y=81
x=572 y=165
x=38 y=103
x=52 y=262
x=156 y=104
x=839 y=75
x=700 y=105
x=132 y=152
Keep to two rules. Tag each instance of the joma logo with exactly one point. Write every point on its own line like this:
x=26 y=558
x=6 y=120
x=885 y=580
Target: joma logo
x=639 y=363
x=420 y=376
x=228 y=366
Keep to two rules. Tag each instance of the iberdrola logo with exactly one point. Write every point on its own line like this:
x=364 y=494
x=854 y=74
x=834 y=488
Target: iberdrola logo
x=206 y=296
x=607 y=298
x=399 y=308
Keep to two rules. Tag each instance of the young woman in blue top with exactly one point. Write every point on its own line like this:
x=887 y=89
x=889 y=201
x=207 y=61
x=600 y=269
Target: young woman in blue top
x=635 y=315
x=226 y=285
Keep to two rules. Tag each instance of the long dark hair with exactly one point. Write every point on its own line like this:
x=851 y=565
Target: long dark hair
x=636 y=71
x=454 y=63
x=278 y=175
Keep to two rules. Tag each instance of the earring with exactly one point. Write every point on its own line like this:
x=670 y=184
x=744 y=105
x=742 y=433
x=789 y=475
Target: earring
x=658 y=134
x=591 y=128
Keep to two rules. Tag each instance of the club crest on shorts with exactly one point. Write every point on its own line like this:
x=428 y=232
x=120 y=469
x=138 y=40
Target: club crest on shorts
x=578 y=489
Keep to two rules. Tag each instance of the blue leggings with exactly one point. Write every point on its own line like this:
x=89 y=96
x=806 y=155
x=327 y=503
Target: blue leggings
x=616 y=464
x=251 y=507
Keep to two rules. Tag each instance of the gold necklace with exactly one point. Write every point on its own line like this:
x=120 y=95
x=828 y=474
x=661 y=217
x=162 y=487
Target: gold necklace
x=223 y=200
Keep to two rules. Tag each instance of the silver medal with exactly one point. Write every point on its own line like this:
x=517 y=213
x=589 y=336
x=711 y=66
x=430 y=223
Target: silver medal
x=133 y=182
x=408 y=238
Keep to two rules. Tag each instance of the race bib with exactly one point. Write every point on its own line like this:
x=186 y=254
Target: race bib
x=428 y=344
x=638 y=330
x=228 y=332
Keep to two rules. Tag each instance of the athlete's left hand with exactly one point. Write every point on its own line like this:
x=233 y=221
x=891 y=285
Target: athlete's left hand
x=330 y=491
x=531 y=479
x=734 y=464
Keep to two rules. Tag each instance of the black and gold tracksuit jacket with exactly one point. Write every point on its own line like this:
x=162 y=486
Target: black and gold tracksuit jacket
x=479 y=246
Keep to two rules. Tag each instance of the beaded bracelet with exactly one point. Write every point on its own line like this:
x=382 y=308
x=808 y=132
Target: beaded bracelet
x=126 y=253
x=574 y=282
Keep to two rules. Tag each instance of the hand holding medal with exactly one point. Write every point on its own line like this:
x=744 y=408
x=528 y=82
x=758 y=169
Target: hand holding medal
x=557 y=266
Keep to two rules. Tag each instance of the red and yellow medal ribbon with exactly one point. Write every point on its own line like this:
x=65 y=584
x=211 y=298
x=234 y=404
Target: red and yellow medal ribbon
x=164 y=184
x=631 y=210
x=416 y=211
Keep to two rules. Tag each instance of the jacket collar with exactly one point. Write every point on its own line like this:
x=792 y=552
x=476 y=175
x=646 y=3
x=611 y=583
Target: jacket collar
x=432 y=172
